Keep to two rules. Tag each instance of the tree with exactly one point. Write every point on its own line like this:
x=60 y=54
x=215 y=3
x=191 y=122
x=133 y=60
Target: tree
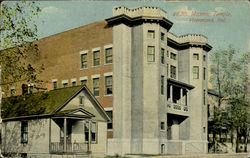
x=17 y=50
x=229 y=76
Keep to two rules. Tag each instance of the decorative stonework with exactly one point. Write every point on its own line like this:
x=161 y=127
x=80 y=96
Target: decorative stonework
x=193 y=38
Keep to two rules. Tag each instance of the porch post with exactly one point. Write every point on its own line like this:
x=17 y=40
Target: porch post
x=181 y=98
x=64 y=135
x=89 y=142
x=171 y=93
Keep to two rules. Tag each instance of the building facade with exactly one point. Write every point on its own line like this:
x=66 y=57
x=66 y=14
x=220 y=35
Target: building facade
x=151 y=82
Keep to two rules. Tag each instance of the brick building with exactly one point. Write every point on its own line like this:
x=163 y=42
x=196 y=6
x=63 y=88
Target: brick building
x=150 y=81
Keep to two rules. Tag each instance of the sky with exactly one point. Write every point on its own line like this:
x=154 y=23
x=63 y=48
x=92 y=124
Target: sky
x=223 y=23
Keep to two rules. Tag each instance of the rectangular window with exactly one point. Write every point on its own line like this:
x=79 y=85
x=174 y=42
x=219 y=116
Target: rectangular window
x=54 y=84
x=86 y=131
x=65 y=84
x=204 y=57
x=162 y=125
x=12 y=91
x=73 y=83
x=93 y=130
x=108 y=85
x=96 y=58
x=162 y=56
x=151 y=34
x=173 y=56
x=204 y=73
x=167 y=53
x=83 y=82
x=81 y=100
x=151 y=53
x=167 y=70
x=24 y=155
x=84 y=61
x=162 y=36
x=108 y=56
x=110 y=125
x=162 y=84
x=204 y=97
x=173 y=72
x=195 y=56
x=31 y=89
x=196 y=72
x=24 y=132
x=96 y=86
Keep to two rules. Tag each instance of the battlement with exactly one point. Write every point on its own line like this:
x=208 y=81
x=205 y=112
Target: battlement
x=188 y=38
x=140 y=11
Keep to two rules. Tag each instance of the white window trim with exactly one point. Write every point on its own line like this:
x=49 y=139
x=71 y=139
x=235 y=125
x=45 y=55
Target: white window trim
x=108 y=109
x=54 y=80
x=108 y=46
x=95 y=76
x=83 y=78
x=96 y=49
x=73 y=80
x=108 y=74
x=65 y=81
x=84 y=52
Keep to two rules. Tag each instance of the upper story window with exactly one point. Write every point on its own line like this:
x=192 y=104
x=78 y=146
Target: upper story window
x=204 y=57
x=54 y=84
x=83 y=82
x=12 y=91
x=96 y=58
x=162 y=36
x=195 y=56
x=81 y=100
x=167 y=53
x=162 y=85
x=196 y=72
x=204 y=73
x=162 y=56
x=151 y=34
x=173 y=71
x=73 y=83
x=173 y=56
x=109 y=125
x=108 y=85
x=151 y=53
x=204 y=97
x=84 y=61
x=64 y=83
x=108 y=56
x=24 y=132
x=162 y=125
x=31 y=88
x=96 y=86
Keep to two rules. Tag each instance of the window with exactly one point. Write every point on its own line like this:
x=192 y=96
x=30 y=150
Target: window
x=204 y=97
x=162 y=36
x=96 y=86
x=93 y=130
x=65 y=84
x=31 y=89
x=167 y=53
x=24 y=155
x=151 y=34
x=162 y=56
x=162 y=84
x=162 y=125
x=108 y=85
x=96 y=58
x=204 y=57
x=110 y=125
x=84 y=61
x=195 y=56
x=196 y=72
x=73 y=83
x=108 y=56
x=81 y=100
x=173 y=56
x=204 y=73
x=54 y=84
x=83 y=82
x=24 y=132
x=151 y=53
x=173 y=72
x=12 y=91
x=167 y=70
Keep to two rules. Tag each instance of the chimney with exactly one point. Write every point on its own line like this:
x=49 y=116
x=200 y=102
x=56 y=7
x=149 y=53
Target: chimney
x=24 y=89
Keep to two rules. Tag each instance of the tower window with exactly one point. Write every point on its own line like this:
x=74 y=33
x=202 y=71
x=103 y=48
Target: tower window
x=173 y=71
x=196 y=72
x=173 y=56
x=151 y=34
x=195 y=56
x=162 y=84
x=151 y=53
x=162 y=56
x=162 y=36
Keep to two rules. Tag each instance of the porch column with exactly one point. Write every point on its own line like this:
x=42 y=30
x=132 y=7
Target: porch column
x=64 y=135
x=171 y=93
x=185 y=98
x=181 y=98
x=89 y=142
x=175 y=130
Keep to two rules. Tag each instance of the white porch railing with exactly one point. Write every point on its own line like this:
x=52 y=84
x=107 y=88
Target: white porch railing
x=57 y=147
x=177 y=107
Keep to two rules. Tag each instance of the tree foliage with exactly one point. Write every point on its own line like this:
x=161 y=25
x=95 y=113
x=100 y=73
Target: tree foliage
x=17 y=50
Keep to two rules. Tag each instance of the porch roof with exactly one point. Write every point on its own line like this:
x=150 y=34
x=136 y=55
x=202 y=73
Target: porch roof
x=180 y=84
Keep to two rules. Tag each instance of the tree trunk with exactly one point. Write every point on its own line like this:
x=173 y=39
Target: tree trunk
x=237 y=141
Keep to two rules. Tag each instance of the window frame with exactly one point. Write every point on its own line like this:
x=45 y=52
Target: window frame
x=86 y=132
x=195 y=74
x=173 y=73
x=98 y=59
x=151 y=54
x=151 y=34
x=106 y=56
x=84 y=64
x=96 y=88
x=196 y=56
x=173 y=56
x=24 y=132
x=106 y=86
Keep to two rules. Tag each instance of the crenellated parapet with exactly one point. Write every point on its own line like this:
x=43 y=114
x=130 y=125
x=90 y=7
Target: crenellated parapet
x=139 y=11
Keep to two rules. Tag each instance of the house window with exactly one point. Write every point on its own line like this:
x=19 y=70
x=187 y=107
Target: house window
x=96 y=58
x=83 y=82
x=24 y=132
x=162 y=125
x=173 y=72
x=204 y=73
x=204 y=57
x=151 y=53
x=162 y=36
x=162 y=56
x=108 y=85
x=73 y=83
x=173 y=56
x=151 y=34
x=162 y=84
x=108 y=56
x=54 y=84
x=65 y=84
x=81 y=100
x=195 y=56
x=84 y=61
x=31 y=89
x=93 y=131
x=12 y=91
x=110 y=125
x=196 y=72
x=96 y=86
